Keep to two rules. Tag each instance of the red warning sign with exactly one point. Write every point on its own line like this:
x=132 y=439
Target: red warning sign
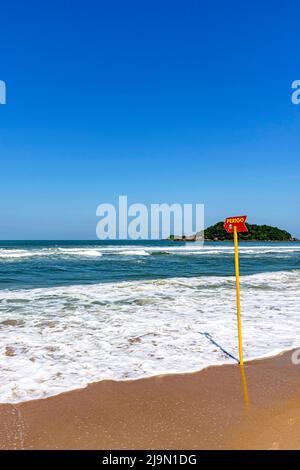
x=238 y=222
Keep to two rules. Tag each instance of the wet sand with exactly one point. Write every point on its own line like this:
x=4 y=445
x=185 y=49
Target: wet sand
x=210 y=409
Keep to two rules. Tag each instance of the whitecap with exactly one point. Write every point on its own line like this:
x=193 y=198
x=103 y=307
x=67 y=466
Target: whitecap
x=66 y=337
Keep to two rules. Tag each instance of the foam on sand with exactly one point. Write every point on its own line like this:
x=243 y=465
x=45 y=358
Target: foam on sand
x=61 y=338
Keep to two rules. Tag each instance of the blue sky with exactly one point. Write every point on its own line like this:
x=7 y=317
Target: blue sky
x=164 y=101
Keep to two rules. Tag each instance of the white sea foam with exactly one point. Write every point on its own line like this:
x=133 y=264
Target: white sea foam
x=80 y=252
x=188 y=249
x=6 y=253
x=134 y=253
x=57 y=339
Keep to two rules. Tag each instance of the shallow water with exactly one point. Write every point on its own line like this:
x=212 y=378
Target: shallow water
x=75 y=312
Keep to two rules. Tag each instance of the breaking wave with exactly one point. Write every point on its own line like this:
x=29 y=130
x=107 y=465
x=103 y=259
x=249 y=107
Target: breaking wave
x=61 y=338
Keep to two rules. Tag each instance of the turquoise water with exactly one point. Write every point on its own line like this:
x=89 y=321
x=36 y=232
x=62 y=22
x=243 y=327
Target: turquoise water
x=75 y=312
x=44 y=264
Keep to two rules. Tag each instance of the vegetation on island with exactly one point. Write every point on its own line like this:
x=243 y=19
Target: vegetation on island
x=255 y=233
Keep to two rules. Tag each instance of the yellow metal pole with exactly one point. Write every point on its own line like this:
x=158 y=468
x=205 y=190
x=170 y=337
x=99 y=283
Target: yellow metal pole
x=245 y=388
x=238 y=299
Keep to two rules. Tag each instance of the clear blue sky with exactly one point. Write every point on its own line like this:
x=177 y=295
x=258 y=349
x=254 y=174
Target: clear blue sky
x=165 y=101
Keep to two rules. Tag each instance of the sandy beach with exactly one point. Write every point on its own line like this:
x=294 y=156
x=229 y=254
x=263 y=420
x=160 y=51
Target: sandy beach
x=149 y=236
x=216 y=408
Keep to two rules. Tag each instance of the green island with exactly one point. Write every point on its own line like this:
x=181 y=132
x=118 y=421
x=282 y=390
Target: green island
x=255 y=232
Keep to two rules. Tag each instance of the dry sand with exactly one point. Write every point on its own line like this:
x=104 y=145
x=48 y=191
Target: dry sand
x=203 y=410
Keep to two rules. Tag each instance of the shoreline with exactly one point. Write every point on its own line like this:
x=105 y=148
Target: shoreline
x=274 y=354
x=207 y=409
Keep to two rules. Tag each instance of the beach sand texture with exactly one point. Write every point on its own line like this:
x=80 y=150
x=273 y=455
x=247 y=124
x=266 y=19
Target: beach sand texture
x=202 y=410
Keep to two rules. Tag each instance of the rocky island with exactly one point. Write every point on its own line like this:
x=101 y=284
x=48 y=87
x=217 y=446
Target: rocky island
x=265 y=233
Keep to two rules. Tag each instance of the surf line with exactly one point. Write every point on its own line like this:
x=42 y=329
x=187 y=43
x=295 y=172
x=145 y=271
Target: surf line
x=210 y=338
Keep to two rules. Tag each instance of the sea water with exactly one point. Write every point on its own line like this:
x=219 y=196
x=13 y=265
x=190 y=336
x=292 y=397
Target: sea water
x=76 y=312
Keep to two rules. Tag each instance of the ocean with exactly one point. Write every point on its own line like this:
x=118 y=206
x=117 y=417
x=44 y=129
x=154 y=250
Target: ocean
x=74 y=312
